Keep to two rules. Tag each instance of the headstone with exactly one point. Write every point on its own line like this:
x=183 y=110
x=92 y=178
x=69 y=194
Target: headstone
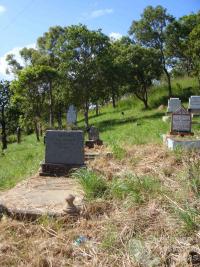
x=173 y=105
x=71 y=115
x=181 y=122
x=194 y=104
x=93 y=133
x=64 y=151
x=93 y=136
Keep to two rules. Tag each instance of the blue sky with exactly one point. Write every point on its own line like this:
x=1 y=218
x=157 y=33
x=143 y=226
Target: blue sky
x=23 y=21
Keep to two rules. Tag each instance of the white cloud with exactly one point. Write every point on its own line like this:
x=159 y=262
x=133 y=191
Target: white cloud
x=2 y=9
x=98 y=13
x=3 y=62
x=115 y=36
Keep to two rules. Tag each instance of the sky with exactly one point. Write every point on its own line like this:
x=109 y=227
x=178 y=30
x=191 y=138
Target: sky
x=23 y=21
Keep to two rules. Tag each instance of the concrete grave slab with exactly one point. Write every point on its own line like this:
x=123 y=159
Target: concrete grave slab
x=173 y=143
x=42 y=195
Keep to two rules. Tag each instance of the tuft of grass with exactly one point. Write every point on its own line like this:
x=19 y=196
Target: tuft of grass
x=190 y=218
x=110 y=238
x=118 y=151
x=93 y=185
x=194 y=176
x=139 y=189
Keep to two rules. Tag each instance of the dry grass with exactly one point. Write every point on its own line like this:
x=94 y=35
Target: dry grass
x=118 y=232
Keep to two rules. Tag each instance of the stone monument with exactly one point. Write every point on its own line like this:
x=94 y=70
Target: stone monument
x=64 y=151
x=173 y=105
x=93 y=136
x=71 y=115
x=194 y=105
x=181 y=122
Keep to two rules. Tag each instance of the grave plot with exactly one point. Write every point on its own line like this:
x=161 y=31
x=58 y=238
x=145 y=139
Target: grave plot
x=40 y=196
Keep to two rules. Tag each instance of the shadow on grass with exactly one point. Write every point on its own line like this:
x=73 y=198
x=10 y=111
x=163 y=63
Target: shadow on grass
x=109 y=124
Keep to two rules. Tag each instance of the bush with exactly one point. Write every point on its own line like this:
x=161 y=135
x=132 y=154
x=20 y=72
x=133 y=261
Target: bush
x=12 y=138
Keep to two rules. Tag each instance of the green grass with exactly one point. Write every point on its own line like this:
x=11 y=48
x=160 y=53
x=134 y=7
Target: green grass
x=139 y=189
x=136 y=126
x=94 y=186
x=20 y=161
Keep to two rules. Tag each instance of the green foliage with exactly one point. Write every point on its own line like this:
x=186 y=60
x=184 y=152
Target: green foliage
x=12 y=138
x=139 y=189
x=93 y=185
x=118 y=151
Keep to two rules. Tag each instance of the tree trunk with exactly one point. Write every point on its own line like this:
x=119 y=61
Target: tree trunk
x=97 y=109
x=3 y=133
x=86 y=115
x=113 y=99
x=37 y=131
x=59 y=118
x=169 y=82
x=51 y=119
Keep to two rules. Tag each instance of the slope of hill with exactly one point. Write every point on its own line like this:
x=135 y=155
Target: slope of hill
x=141 y=205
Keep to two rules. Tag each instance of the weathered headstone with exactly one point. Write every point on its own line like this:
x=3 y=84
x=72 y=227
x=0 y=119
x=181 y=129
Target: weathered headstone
x=173 y=105
x=93 y=133
x=71 y=115
x=93 y=136
x=181 y=122
x=64 y=151
x=194 y=105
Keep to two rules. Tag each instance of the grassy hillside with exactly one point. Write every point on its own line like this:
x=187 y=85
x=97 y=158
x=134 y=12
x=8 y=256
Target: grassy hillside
x=141 y=205
x=136 y=126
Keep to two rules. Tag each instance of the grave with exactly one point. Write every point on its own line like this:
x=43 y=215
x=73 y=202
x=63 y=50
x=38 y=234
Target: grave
x=64 y=151
x=194 y=105
x=93 y=136
x=71 y=115
x=181 y=135
x=173 y=105
x=181 y=122
x=38 y=196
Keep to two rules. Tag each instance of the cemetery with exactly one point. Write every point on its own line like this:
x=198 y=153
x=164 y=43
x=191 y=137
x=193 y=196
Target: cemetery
x=100 y=135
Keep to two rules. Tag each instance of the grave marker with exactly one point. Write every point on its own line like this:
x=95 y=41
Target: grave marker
x=71 y=115
x=194 y=105
x=64 y=151
x=181 y=122
x=173 y=105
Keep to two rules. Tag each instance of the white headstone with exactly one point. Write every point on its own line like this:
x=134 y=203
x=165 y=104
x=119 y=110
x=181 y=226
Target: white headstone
x=194 y=104
x=71 y=115
x=173 y=105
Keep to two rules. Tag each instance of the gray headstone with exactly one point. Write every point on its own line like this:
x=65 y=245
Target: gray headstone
x=71 y=115
x=64 y=147
x=194 y=104
x=173 y=105
x=181 y=121
x=93 y=134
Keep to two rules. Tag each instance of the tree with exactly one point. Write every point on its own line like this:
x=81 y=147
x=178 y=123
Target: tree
x=5 y=95
x=195 y=50
x=178 y=42
x=32 y=87
x=80 y=51
x=150 y=31
x=141 y=66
